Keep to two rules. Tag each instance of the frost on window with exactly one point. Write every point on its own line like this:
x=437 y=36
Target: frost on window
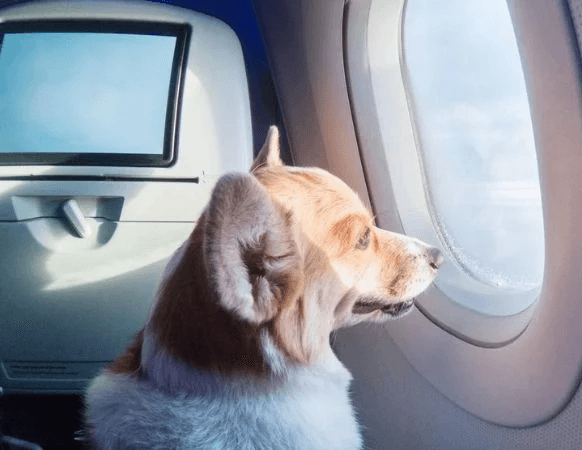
x=475 y=138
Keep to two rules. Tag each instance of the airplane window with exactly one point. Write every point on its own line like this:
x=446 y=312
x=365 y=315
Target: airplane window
x=476 y=147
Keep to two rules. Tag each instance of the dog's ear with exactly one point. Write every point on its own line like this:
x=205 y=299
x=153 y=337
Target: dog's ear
x=270 y=154
x=250 y=249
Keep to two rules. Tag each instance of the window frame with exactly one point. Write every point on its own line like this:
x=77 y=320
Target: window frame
x=516 y=370
x=394 y=156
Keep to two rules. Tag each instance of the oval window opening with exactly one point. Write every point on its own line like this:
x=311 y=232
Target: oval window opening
x=475 y=140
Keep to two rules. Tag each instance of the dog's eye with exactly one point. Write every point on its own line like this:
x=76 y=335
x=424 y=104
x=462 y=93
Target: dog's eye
x=364 y=240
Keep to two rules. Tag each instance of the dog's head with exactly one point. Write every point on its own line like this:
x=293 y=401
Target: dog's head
x=295 y=247
x=279 y=259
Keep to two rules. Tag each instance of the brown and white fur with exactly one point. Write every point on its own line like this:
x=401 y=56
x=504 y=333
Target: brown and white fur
x=236 y=352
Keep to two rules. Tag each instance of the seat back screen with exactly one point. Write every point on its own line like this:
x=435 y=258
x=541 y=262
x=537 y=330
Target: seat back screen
x=89 y=92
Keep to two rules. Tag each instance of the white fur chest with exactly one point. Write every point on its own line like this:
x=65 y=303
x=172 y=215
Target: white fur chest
x=324 y=414
x=310 y=411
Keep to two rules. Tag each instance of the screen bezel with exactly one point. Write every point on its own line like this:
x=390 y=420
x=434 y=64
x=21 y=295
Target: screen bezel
x=181 y=31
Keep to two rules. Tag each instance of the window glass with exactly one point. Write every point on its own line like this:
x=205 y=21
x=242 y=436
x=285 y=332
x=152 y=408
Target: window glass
x=475 y=138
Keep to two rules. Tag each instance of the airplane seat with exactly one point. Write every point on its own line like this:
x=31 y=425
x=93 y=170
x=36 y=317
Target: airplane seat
x=104 y=168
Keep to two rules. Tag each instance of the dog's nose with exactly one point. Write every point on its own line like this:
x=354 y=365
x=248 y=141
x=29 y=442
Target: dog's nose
x=435 y=257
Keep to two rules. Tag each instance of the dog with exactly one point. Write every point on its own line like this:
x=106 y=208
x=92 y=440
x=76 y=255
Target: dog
x=236 y=351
